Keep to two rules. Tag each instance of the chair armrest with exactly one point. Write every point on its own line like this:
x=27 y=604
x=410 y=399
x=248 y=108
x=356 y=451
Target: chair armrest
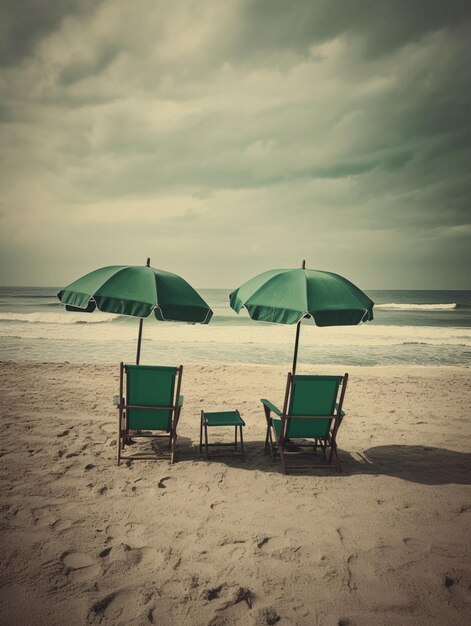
x=180 y=400
x=271 y=406
x=342 y=412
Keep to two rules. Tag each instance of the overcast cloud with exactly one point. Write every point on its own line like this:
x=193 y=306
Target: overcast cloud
x=225 y=138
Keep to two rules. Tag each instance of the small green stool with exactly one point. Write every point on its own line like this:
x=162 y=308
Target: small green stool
x=221 y=418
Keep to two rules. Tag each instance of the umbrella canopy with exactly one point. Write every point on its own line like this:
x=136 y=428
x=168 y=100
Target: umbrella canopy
x=136 y=291
x=286 y=296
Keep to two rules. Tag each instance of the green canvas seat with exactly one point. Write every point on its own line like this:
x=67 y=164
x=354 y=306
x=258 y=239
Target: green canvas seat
x=151 y=404
x=312 y=410
x=224 y=418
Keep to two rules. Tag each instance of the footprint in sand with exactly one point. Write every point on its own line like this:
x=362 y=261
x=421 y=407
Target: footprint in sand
x=130 y=533
x=266 y=616
x=200 y=489
x=104 y=553
x=279 y=548
x=126 y=606
x=231 y=603
x=34 y=451
x=45 y=517
x=233 y=548
x=457 y=583
x=123 y=554
x=361 y=573
x=53 y=572
x=419 y=546
x=76 y=560
x=80 y=567
x=213 y=505
x=61 y=524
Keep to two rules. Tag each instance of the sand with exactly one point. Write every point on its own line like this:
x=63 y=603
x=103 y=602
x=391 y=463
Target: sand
x=217 y=542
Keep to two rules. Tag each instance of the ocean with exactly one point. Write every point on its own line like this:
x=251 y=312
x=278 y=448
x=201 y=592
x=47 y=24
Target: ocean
x=410 y=328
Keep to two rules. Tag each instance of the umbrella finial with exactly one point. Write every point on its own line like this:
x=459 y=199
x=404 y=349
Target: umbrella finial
x=304 y=265
x=148 y=262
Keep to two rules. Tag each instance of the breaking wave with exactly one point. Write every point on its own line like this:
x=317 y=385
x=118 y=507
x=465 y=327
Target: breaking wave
x=57 y=318
x=393 y=306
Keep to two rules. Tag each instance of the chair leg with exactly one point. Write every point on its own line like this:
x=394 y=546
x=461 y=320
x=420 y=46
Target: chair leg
x=206 y=440
x=270 y=442
x=201 y=433
x=282 y=457
x=172 y=441
x=119 y=446
x=337 y=461
x=334 y=456
x=267 y=440
x=331 y=454
x=268 y=418
x=268 y=437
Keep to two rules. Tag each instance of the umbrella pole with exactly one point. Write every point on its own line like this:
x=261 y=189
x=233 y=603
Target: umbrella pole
x=139 y=337
x=296 y=343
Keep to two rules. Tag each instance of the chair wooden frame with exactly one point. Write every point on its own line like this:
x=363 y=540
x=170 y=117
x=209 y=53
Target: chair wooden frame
x=124 y=432
x=279 y=444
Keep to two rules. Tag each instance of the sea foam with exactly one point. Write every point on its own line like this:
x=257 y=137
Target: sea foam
x=57 y=318
x=393 y=306
x=257 y=334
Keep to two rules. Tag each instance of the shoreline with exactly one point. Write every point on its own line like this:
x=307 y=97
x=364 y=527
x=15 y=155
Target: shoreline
x=301 y=366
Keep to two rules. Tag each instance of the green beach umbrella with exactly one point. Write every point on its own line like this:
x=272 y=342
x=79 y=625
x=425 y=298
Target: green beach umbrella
x=286 y=296
x=136 y=291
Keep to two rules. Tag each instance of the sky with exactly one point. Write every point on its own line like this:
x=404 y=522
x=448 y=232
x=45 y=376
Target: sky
x=222 y=139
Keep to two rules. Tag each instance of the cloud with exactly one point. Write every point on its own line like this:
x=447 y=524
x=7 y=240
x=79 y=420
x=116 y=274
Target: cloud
x=24 y=24
x=380 y=27
x=231 y=137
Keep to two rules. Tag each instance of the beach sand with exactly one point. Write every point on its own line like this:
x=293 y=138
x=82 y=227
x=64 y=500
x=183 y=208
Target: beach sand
x=217 y=542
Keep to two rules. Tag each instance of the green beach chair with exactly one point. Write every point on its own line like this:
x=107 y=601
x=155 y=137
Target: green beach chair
x=150 y=404
x=312 y=410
